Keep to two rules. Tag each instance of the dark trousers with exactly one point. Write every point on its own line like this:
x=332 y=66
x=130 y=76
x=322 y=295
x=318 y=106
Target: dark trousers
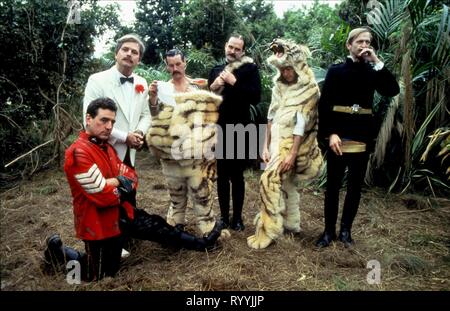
x=231 y=171
x=102 y=257
x=127 y=161
x=149 y=227
x=336 y=165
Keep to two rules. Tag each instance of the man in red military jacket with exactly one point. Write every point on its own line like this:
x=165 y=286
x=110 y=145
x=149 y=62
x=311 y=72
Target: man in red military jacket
x=102 y=187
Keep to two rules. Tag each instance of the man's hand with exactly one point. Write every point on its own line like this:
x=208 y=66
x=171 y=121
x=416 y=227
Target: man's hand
x=217 y=84
x=113 y=182
x=266 y=155
x=228 y=77
x=123 y=169
x=368 y=54
x=135 y=140
x=288 y=163
x=153 y=92
x=335 y=144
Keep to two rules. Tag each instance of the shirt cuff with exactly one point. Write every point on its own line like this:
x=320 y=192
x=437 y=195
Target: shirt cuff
x=378 y=66
x=118 y=136
x=299 y=128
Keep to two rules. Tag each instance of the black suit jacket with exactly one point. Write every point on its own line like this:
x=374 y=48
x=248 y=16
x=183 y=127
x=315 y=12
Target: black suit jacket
x=347 y=84
x=237 y=98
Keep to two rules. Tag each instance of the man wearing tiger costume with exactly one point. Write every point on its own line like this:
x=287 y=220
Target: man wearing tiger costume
x=183 y=136
x=290 y=150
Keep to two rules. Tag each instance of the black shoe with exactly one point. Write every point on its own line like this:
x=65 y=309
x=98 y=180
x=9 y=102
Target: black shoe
x=346 y=237
x=225 y=222
x=325 y=239
x=237 y=225
x=208 y=242
x=180 y=227
x=54 y=253
x=211 y=238
x=57 y=254
x=215 y=233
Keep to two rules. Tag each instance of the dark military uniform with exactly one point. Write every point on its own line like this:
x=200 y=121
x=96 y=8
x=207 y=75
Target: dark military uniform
x=345 y=109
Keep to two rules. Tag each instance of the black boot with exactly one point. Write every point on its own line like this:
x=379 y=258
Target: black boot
x=53 y=253
x=237 y=224
x=58 y=255
x=325 y=239
x=180 y=227
x=207 y=242
x=225 y=221
x=345 y=237
x=154 y=228
x=238 y=193
x=223 y=191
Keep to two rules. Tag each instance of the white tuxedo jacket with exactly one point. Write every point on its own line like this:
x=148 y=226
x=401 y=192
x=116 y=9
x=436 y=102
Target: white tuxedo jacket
x=107 y=84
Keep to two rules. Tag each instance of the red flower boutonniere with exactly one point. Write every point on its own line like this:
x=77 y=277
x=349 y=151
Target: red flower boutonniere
x=139 y=88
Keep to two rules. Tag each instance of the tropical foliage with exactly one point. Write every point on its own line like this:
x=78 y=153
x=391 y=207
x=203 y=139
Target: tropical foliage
x=52 y=60
x=155 y=24
x=46 y=55
x=413 y=37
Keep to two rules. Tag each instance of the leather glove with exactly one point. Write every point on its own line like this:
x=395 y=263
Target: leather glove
x=125 y=186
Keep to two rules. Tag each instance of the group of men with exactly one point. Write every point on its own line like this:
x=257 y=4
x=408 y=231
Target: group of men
x=118 y=108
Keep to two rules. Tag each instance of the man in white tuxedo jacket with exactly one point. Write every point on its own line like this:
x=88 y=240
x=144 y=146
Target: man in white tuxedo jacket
x=130 y=92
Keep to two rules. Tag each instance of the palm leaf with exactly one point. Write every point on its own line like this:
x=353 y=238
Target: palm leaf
x=418 y=140
x=441 y=53
x=387 y=18
x=418 y=10
x=385 y=133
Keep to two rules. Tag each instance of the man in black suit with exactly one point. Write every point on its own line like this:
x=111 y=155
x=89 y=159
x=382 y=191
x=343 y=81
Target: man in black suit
x=239 y=83
x=346 y=120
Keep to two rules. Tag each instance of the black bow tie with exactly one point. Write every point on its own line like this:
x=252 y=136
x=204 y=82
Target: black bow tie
x=129 y=79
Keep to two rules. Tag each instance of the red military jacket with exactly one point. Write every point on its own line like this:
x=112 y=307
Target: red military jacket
x=95 y=203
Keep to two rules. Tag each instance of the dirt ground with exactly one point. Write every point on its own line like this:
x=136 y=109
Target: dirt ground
x=408 y=235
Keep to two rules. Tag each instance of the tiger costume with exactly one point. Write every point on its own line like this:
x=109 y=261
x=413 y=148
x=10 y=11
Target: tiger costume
x=279 y=191
x=183 y=138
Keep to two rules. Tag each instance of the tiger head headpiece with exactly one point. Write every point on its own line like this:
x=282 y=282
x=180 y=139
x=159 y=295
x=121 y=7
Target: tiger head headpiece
x=288 y=53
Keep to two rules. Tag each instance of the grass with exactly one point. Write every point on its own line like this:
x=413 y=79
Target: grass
x=409 y=239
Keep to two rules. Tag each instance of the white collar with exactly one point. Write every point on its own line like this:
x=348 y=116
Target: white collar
x=120 y=75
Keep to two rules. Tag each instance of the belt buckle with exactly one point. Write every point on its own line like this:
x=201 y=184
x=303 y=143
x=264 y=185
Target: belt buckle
x=355 y=109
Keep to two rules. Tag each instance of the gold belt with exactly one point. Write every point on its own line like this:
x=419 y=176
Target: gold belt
x=355 y=109
x=351 y=146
